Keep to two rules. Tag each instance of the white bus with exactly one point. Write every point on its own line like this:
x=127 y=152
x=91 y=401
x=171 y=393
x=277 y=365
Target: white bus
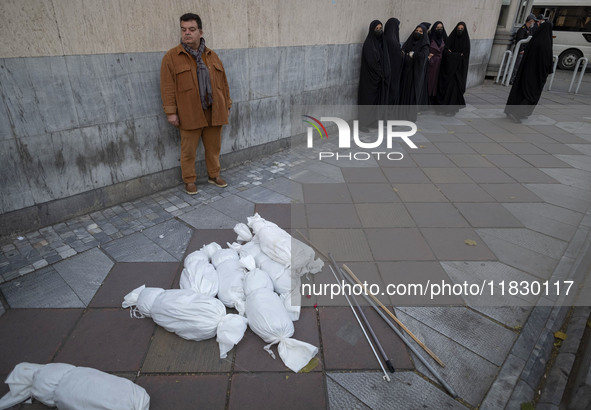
x=572 y=28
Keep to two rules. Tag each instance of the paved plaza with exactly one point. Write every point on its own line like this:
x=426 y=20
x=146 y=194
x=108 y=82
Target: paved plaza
x=482 y=198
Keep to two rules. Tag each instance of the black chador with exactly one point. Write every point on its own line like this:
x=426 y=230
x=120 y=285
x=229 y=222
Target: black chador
x=529 y=83
x=416 y=51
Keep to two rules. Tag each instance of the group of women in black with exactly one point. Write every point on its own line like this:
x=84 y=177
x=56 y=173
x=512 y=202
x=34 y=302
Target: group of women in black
x=430 y=68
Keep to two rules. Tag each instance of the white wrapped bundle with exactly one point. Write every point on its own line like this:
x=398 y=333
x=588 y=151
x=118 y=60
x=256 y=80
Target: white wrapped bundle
x=243 y=232
x=198 y=273
x=281 y=247
x=268 y=318
x=71 y=388
x=190 y=315
x=257 y=279
x=231 y=278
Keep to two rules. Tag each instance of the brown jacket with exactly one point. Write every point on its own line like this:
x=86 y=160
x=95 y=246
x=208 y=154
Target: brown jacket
x=179 y=88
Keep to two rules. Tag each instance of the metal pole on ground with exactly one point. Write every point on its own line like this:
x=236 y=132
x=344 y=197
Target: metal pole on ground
x=555 y=58
x=503 y=65
x=514 y=59
x=585 y=60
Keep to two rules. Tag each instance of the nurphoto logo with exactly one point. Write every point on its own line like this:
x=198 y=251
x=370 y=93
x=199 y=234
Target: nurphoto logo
x=391 y=131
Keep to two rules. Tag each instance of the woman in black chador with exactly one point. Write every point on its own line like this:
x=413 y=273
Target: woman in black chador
x=372 y=78
x=395 y=57
x=414 y=71
x=529 y=83
x=454 y=71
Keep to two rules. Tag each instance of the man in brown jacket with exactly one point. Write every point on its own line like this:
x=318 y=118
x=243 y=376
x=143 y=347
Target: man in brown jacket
x=196 y=99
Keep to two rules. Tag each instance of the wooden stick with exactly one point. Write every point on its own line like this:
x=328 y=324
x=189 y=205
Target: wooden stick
x=376 y=300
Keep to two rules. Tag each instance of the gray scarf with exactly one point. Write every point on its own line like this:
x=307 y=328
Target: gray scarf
x=202 y=74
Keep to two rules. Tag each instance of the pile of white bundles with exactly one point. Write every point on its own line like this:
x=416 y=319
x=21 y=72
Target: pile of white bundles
x=269 y=319
x=191 y=315
x=272 y=249
x=69 y=387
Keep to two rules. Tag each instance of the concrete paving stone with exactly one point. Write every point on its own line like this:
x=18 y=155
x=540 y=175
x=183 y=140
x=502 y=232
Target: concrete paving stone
x=466 y=372
x=419 y=193
x=572 y=177
x=564 y=149
x=489 y=148
x=372 y=193
x=287 y=188
x=530 y=176
x=528 y=239
x=280 y=214
x=260 y=194
x=185 y=391
x=419 y=273
x=205 y=236
x=311 y=173
x=85 y=272
x=468 y=328
x=345 y=244
x=339 y=398
x=405 y=175
x=507 y=161
x=448 y=138
x=497 y=396
x=125 y=277
x=557 y=379
x=169 y=353
x=535 y=366
x=495 y=272
x=365 y=272
x=346 y=348
x=172 y=236
x=107 y=340
x=521 y=249
x=278 y=390
x=235 y=207
x=252 y=357
x=405 y=162
x=545 y=218
x=449 y=244
x=522 y=148
x=24 y=326
x=487 y=215
x=386 y=215
x=544 y=161
x=373 y=175
x=326 y=194
x=581 y=162
x=44 y=288
x=473 y=137
x=207 y=217
x=388 y=244
x=432 y=160
x=447 y=175
x=332 y=216
x=370 y=389
x=435 y=215
x=584 y=149
x=564 y=196
x=510 y=193
x=454 y=148
x=137 y=247
x=465 y=193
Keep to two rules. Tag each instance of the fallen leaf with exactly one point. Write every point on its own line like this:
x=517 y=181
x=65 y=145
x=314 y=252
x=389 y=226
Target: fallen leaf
x=394 y=189
x=560 y=335
x=422 y=146
x=312 y=364
x=470 y=242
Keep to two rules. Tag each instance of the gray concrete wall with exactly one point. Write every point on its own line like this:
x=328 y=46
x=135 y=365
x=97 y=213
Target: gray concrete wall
x=82 y=126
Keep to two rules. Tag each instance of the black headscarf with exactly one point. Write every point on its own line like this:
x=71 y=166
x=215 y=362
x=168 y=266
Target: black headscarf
x=535 y=66
x=433 y=34
x=371 y=78
x=395 y=57
x=454 y=68
x=416 y=45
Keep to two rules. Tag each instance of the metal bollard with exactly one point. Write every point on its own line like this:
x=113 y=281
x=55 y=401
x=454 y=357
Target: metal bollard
x=509 y=53
x=576 y=71
x=555 y=58
x=514 y=59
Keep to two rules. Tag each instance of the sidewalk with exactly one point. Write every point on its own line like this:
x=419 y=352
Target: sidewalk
x=521 y=192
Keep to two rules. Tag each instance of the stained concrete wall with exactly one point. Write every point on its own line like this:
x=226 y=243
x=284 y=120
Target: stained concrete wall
x=81 y=123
